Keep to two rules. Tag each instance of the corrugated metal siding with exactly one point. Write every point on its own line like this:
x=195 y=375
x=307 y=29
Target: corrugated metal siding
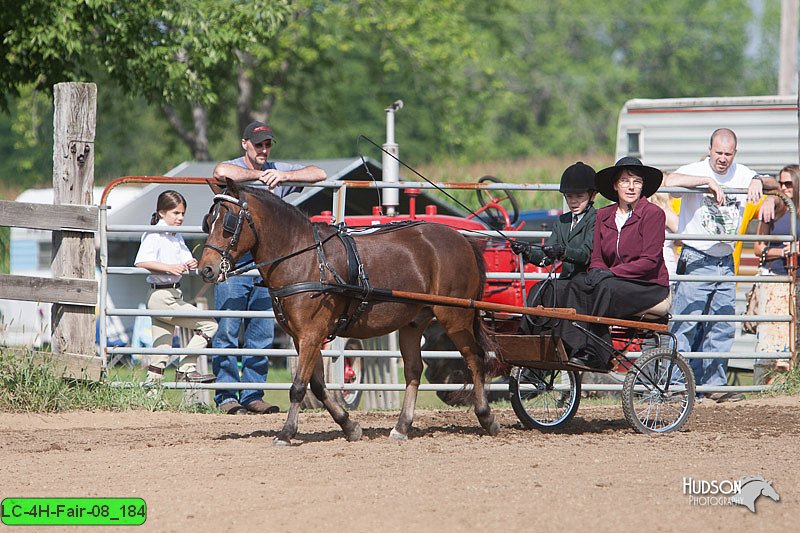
x=677 y=131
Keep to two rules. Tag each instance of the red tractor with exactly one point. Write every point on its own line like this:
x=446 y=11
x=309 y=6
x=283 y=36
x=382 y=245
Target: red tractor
x=499 y=212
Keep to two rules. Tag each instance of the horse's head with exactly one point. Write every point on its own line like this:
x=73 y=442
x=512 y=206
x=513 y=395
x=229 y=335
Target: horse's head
x=768 y=490
x=231 y=232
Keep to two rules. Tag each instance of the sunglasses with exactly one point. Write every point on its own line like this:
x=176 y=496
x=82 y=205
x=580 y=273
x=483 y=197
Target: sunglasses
x=263 y=144
x=788 y=184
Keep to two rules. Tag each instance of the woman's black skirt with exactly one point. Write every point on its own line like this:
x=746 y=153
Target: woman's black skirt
x=613 y=297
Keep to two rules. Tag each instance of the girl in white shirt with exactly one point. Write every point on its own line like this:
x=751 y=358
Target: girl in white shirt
x=166 y=256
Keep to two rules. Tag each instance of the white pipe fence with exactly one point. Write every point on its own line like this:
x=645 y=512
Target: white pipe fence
x=339 y=383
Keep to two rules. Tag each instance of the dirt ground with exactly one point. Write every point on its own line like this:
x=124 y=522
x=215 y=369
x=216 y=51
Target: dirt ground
x=220 y=473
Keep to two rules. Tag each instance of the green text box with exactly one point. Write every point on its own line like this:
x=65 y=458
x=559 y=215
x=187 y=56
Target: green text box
x=73 y=511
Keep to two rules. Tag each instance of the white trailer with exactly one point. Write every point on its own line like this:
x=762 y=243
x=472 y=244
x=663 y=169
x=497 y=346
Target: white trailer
x=670 y=132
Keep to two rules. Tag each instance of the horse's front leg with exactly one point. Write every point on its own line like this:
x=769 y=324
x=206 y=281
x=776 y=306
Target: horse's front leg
x=308 y=358
x=310 y=368
x=351 y=428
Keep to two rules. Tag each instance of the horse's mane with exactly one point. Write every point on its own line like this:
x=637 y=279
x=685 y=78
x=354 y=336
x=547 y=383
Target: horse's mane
x=745 y=480
x=284 y=209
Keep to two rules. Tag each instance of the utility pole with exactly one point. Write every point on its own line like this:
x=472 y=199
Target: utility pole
x=787 y=75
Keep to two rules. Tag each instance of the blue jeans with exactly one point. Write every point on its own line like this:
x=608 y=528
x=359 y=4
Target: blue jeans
x=240 y=293
x=705 y=298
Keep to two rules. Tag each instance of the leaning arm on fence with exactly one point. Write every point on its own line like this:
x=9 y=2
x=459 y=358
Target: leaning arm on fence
x=157 y=267
x=271 y=177
x=693 y=182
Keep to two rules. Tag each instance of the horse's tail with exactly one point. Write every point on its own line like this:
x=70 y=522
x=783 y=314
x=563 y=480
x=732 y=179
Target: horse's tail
x=479 y=329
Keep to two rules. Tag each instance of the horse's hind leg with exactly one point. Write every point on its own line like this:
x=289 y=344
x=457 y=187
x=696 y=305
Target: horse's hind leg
x=458 y=325
x=410 y=336
x=351 y=428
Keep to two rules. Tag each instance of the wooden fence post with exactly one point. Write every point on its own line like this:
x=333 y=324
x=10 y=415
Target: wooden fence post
x=73 y=179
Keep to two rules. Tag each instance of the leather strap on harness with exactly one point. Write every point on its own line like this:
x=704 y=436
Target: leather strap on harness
x=356 y=277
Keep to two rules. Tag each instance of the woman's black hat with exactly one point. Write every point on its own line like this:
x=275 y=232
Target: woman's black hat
x=604 y=181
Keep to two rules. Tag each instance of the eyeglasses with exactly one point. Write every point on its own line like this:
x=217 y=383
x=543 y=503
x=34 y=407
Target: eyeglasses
x=636 y=182
x=787 y=184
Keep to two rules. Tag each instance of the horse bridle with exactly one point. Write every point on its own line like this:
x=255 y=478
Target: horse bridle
x=231 y=223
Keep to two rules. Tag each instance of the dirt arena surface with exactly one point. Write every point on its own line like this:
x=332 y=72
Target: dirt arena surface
x=219 y=473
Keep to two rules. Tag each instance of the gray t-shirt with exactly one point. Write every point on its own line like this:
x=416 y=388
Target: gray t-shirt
x=280 y=190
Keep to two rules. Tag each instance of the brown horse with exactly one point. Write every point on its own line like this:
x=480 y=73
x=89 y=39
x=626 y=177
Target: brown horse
x=424 y=257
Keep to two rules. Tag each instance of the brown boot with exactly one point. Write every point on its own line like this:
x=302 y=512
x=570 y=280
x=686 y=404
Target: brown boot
x=260 y=407
x=233 y=408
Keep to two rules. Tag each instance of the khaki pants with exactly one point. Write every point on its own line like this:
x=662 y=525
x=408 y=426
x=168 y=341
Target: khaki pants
x=164 y=327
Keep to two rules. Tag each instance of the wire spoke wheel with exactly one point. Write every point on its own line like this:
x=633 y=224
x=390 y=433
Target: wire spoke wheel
x=544 y=399
x=658 y=396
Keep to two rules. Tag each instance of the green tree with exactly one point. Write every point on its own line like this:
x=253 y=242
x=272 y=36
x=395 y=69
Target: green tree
x=567 y=66
x=200 y=58
x=171 y=53
x=505 y=79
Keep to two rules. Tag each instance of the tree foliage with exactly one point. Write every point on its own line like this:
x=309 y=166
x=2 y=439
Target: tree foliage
x=163 y=50
x=567 y=66
x=503 y=79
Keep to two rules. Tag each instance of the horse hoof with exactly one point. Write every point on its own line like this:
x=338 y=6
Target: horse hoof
x=280 y=442
x=396 y=435
x=354 y=434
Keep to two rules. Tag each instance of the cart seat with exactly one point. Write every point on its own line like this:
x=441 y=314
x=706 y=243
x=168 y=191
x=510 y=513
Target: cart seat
x=657 y=313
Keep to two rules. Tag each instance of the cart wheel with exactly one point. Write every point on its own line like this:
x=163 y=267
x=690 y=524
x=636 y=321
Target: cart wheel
x=544 y=399
x=353 y=373
x=647 y=406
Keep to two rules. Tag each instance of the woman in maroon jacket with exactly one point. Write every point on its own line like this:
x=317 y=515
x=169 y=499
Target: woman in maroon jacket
x=627 y=274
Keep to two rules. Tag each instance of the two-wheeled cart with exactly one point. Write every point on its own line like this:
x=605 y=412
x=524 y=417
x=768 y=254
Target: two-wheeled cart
x=658 y=391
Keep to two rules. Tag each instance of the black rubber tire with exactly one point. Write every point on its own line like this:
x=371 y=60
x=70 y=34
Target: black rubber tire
x=496 y=220
x=446 y=371
x=544 y=407
x=646 y=409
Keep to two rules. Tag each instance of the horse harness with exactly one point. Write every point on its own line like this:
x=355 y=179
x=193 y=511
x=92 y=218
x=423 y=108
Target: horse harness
x=355 y=286
x=232 y=224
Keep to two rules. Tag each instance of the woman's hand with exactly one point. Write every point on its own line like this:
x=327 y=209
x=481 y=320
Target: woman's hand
x=191 y=264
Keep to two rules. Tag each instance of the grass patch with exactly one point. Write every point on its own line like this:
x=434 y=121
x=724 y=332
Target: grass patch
x=547 y=169
x=786 y=383
x=30 y=385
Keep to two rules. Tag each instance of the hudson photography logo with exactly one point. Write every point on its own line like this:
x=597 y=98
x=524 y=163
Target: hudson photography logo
x=728 y=492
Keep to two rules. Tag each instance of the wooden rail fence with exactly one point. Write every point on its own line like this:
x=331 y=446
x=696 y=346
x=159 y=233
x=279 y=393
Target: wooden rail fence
x=73 y=220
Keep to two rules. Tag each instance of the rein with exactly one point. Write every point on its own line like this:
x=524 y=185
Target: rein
x=441 y=190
